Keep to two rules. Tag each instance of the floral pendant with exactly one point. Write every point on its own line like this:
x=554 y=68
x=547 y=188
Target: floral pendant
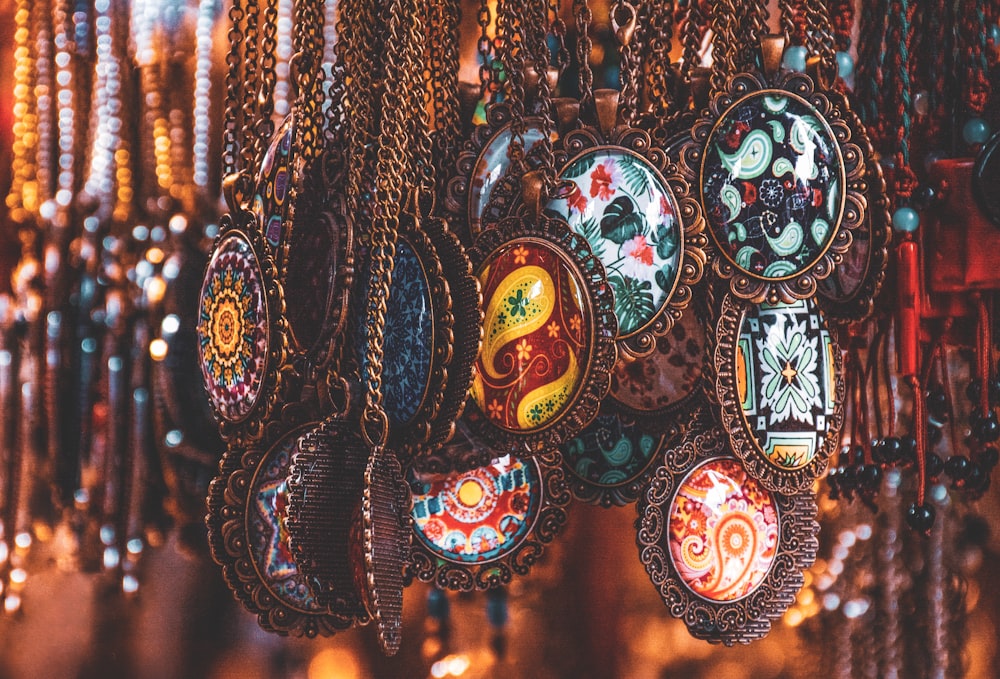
x=782 y=179
x=248 y=537
x=548 y=335
x=611 y=461
x=780 y=390
x=241 y=332
x=634 y=210
x=476 y=529
x=726 y=554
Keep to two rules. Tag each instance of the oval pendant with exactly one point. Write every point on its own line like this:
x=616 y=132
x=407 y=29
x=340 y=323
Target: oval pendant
x=781 y=390
x=548 y=335
x=248 y=536
x=610 y=462
x=782 y=183
x=240 y=333
x=726 y=554
x=272 y=196
x=476 y=529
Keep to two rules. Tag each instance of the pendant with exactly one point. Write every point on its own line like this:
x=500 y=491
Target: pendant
x=611 y=461
x=780 y=390
x=634 y=209
x=476 y=529
x=782 y=178
x=726 y=554
x=248 y=537
x=548 y=335
x=241 y=331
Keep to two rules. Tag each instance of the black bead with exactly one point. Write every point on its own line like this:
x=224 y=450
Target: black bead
x=908 y=450
x=920 y=517
x=935 y=465
x=957 y=467
x=986 y=429
x=936 y=401
x=974 y=478
x=871 y=477
x=924 y=197
x=879 y=451
x=934 y=435
x=893 y=450
x=849 y=478
x=972 y=391
x=859 y=456
x=988 y=457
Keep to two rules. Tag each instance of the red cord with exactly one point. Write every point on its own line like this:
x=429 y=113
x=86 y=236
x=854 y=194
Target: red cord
x=983 y=354
x=920 y=434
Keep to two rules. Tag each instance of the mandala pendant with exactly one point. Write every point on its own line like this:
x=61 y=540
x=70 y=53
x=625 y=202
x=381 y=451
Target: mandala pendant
x=611 y=461
x=417 y=339
x=783 y=183
x=307 y=228
x=325 y=487
x=849 y=293
x=634 y=209
x=659 y=390
x=780 y=390
x=726 y=554
x=385 y=512
x=476 y=529
x=484 y=166
x=248 y=537
x=548 y=335
x=241 y=332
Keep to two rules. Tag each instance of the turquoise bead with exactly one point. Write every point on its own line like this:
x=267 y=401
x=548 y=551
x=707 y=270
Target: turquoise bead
x=905 y=219
x=845 y=65
x=795 y=59
x=975 y=131
x=995 y=35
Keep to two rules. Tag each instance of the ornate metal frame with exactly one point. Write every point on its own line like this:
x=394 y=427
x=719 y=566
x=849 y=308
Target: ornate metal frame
x=243 y=225
x=637 y=143
x=847 y=135
x=589 y=272
x=630 y=489
x=228 y=536
x=733 y=420
x=877 y=228
x=428 y=566
x=749 y=617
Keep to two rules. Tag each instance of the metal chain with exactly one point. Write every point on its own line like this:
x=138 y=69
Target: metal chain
x=511 y=53
x=444 y=41
x=558 y=30
x=264 y=127
x=661 y=33
x=692 y=36
x=584 y=47
x=484 y=46
x=723 y=63
x=623 y=22
x=251 y=147
x=787 y=20
x=230 y=141
x=541 y=57
x=307 y=40
x=819 y=32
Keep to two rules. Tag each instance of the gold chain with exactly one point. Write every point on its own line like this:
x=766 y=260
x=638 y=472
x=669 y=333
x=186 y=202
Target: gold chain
x=623 y=21
x=230 y=140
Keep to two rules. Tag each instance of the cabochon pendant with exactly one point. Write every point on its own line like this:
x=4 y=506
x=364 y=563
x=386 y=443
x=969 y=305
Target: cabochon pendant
x=385 y=512
x=634 y=209
x=611 y=461
x=726 y=554
x=548 y=335
x=475 y=530
x=484 y=165
x=241 y=331
x=307 y=228
x=325 y=486
x=782 y=183
x=418 y=340
x=849 y=293
x=780 y=390
x=248 y=537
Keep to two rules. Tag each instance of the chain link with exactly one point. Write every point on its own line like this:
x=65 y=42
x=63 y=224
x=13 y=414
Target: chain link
x=820 y=34
x=623 y=21
x=251 y=147
x=264 y=127
x=230 y=141
x=584 y=47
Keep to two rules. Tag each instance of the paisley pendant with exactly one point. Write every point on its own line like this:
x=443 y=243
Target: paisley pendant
x=635 y=212
x=782 y=182
x=726 y=554
x=476 y=529
x=248 y=537
x=611 y=461
x=240 y=331
x=780 y=389
x=548 y=335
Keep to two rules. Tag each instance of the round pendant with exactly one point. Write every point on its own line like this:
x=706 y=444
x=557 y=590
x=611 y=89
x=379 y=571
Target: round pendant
x=475 y=529
x=248 y=536
x=272 y=196
x=492 y=165
x=610 y=462
x=417 y=341
x=622 y=206
x=236 y=333
x=726 y=554
x=781 y=390
x=654 y=389
x=782 y=182
x=546 y=353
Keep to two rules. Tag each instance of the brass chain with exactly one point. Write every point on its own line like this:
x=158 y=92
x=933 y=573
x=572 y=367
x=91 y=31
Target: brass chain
x=541 y=57
x=418 y=173
x=558 y=31
x=488 y=84
x=444 y=41
x=511 y=51
x=231 y=119
x=658 y=67
x=820 y=33
x=623 y=22
x=264 y=127
x=307 y=40
x=723 y=35
x=787 y=18
x=251 y=147
x=584 y=47
x=692 y=35
x=337 y=87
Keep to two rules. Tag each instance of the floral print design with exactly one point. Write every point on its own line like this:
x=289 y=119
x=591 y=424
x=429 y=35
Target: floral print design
x=789 y=383
x=619 y=203
x=609 y=453
x=772 y=185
